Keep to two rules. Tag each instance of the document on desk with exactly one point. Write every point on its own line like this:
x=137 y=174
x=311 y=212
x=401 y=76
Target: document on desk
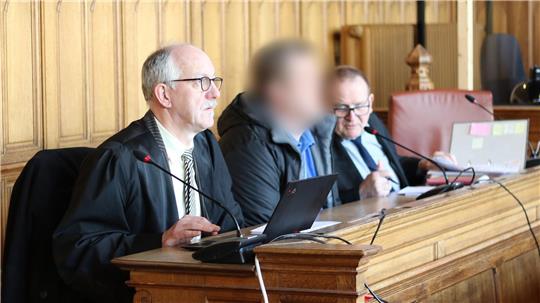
x=316 y=226
x=414 y=191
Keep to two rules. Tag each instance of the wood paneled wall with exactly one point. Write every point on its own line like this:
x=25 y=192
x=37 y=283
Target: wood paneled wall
x=519 y=18
x=70 y=70
x=380 y=51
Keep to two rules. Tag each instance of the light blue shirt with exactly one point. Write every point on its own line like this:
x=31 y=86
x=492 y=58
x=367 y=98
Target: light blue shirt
x=376 y=151
x=307 y=166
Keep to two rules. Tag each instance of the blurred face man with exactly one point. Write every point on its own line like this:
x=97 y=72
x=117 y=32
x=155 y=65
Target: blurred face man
x=185 y=104
x=352 y=103
x=293 y=87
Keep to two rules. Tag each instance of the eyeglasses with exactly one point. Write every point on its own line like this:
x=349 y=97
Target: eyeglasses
x=342 y=111
x=206 y=82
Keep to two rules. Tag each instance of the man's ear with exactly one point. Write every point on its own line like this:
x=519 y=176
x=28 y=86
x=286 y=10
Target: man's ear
x=371 y=98
x=161 y=92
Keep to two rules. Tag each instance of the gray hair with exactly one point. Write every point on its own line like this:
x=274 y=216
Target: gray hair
x=159 y=67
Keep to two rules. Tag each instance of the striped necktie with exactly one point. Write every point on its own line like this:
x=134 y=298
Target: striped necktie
x=187 y=158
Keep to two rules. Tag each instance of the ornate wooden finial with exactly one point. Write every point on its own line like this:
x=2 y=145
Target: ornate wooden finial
x=420 y=61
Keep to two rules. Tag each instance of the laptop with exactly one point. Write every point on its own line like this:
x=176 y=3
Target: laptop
x=297 y=209
x=491 y=147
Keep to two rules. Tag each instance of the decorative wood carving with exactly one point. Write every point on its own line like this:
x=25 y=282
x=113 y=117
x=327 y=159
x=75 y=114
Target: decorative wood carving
x=419 y=60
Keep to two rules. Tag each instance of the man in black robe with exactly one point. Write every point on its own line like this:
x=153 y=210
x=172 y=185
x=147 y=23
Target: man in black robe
x=122 y=206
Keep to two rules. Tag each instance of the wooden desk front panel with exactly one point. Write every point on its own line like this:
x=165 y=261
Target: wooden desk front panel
x=471 y=245
x=471 y=239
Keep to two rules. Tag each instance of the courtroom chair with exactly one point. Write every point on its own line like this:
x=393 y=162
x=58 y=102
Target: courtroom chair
x=501 y=66
x=39 y=200
x=422 y=120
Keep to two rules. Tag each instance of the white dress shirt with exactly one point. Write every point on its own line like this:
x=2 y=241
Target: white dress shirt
x=376 y=151
x=175 y=149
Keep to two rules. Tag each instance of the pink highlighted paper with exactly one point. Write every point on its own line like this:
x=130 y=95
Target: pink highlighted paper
x=480 y=129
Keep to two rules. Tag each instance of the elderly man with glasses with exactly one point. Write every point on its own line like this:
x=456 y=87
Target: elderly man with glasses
x=367 y=166
x=122 y=206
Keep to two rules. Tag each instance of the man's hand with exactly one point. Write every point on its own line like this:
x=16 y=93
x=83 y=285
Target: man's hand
x=426 y=165
x=186 y=229
x=376 y=184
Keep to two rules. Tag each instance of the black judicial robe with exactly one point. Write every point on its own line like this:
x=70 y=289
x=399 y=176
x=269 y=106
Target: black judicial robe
x=122 y=206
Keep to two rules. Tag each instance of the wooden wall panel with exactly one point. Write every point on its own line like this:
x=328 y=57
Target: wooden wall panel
x=519 y=18
x=513 y=277
x=140 y=33
x=82 y=61
x=478 y=289
x=9 y=174
x=105 y=70
x=175 y=22
x=236 y=51
x=66 y=47
x=20 y=78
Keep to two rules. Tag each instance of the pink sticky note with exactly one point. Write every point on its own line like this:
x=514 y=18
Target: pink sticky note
x=480 y=129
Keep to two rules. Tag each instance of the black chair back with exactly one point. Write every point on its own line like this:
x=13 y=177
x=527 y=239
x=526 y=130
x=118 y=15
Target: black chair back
x=501 y=66
x=39 y=200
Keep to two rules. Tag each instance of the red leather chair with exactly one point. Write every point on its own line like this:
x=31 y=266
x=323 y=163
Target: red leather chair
x=422 y=120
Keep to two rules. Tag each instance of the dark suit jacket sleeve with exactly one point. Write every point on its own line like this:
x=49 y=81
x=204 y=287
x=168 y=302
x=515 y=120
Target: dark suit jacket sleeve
x=229 y=201
x=96 y=227
x=414 y=175
x=256 y=180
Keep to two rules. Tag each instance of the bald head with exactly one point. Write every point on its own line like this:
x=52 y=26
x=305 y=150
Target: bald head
x=179 y=83
x=173 y=62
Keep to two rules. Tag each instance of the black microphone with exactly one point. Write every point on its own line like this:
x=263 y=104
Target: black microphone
x=437 y=190
x=238 y=250
x=534 y=155
x=473 y=100
x=143 y=157
x=376 y=133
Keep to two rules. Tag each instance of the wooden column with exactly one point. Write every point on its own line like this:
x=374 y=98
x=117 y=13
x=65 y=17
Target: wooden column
x=465 y=44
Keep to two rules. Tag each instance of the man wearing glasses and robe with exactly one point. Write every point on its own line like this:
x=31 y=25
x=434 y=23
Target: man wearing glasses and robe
x=122 y=206
x=367 y=166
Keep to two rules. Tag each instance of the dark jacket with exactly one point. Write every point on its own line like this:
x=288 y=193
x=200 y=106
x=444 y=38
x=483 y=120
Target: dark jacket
x=349 y=179
x=262 y=157
x=122 y=206
x=39 y=199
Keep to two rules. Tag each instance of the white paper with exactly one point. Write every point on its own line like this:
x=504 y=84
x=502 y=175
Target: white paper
x=316 y=225
x=412 y=191
x=447 y=164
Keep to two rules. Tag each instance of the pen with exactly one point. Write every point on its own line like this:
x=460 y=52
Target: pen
x=391 y=180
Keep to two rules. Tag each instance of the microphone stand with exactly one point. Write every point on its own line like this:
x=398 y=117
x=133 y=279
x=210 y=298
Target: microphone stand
x=435 y=191
x=534 y=160
x=235 y=250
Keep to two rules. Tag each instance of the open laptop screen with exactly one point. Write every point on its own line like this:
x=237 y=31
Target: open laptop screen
x=491 y=147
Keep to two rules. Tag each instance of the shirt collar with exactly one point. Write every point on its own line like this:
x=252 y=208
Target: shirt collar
x=172 y=144
x=364 y=133
x=306 y=140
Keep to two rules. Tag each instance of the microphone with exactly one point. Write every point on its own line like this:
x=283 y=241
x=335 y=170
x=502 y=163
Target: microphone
x=437 y=190
x=376 y=133
x=139 y=155
x=473 y=100
x=236 y=250
x=534 y=154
